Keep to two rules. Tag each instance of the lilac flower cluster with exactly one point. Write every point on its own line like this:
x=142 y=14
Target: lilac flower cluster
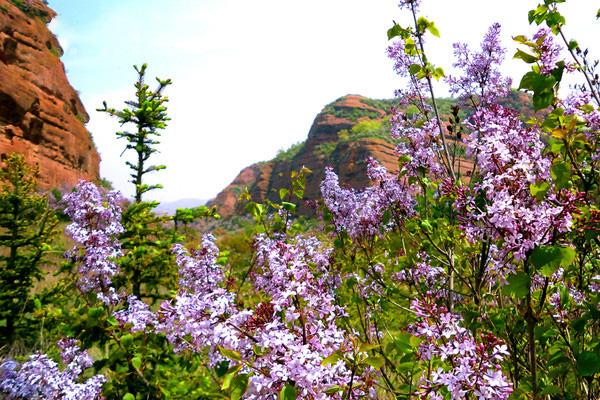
x=198 y=318
x=548 y=50
x=360 y=213
x=480 y=70
x=137 y=314
x=283 y=340
x=95 y=226
x=295 y=278
x=510 y=160
x=419 y=133
x=410 y=4
x=474 y=364
x=423 y=274
x=40 y=377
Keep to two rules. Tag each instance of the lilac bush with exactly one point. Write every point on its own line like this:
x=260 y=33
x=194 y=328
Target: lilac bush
x=95 y=226
x=41 y=378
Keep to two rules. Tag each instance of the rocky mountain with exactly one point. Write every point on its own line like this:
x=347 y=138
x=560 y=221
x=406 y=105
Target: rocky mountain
x=41 y=115
x=343 y=135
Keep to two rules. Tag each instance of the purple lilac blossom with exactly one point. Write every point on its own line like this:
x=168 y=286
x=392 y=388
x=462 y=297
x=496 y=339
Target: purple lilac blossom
x=201 y=306
x=548 y=49
x=137 y=314
x=295 y=327
x=295 y=277
x=95 y=227
x=40 y=377
x=474 y=365
x=409 y=4
x=580 y=105
x=360 y=213
x=509 y=158
x=481 y=75
x=420 y=139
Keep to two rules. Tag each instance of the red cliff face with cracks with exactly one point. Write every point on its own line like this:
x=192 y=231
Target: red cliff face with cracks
x=41 y=115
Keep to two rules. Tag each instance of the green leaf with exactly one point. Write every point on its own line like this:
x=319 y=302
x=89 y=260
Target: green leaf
x=433 y=29
x=528 y=58
x=396 y=30
x=127 y=340
x=291 y=207
x=375 y=362
x=333 y=389
x=414 y=69
x=588 y=364
x=426 y=225
x=561 y=174
x=288 y=392
x=231 y=354
x=239 y=384
x=518 y=284
x=573 y=44
x=283 y=192
x=95 y=312
x=332 y=359
x=136 y=362
x=129 y=396
x=228 y=378
x=539 y=190
x=521 y=39
x=547 y=259
x=542 y=100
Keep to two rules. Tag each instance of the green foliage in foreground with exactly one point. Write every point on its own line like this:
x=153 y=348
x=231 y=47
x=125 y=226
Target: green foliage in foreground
x=27 y=227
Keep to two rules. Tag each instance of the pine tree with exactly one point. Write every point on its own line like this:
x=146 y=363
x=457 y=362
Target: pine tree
x=147 y=259
x=27 y=225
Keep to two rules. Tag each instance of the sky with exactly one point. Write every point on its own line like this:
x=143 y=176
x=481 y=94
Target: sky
x=249 y=77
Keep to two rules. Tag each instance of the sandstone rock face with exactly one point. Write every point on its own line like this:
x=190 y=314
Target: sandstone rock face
x=41 y=115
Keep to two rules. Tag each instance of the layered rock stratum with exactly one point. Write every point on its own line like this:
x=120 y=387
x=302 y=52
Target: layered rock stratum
x=41 y=115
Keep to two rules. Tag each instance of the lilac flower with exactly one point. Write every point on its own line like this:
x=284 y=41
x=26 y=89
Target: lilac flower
x=95 y=226
x=410 y=4
x=201 y=306
x=423 y=274
x=138 y=315
x=295 y=277
x=40 y=377
x=510 y=160
x=285 y=338
x=481 y=75
x=360 y=213
x=474 y=365
x=548 y=50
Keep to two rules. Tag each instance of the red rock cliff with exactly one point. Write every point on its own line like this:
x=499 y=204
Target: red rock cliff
x=41 y=115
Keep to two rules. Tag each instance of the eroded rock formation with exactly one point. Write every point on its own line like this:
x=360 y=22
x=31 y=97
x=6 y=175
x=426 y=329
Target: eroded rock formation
x=41 y=115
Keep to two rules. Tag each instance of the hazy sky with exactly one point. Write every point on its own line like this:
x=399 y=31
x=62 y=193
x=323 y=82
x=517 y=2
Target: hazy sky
x=250 y=76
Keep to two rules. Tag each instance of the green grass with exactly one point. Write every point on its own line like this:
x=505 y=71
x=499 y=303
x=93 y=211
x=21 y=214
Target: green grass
x=29 y=10
x=290 y=153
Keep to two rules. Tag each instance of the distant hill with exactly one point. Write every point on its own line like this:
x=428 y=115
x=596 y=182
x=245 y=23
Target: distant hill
x=343 y=135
